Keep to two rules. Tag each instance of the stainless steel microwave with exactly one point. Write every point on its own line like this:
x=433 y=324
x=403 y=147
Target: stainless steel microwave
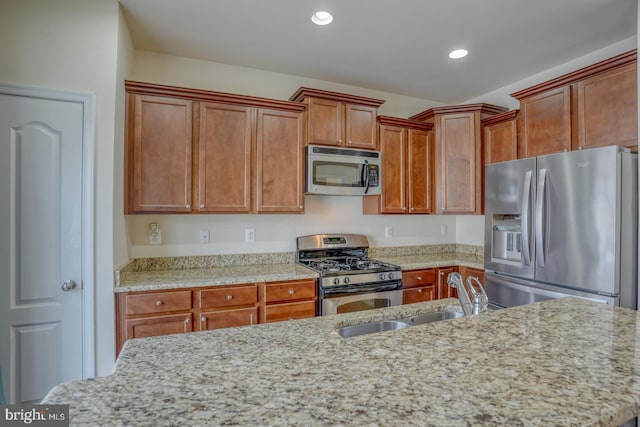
x=342 y=171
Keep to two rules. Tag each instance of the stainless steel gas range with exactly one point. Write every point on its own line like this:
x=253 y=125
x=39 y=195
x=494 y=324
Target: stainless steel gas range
x=349 y=280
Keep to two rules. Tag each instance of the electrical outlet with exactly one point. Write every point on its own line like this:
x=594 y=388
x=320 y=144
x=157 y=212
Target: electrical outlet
x=155 y=234
x=388 y=231
x=443 y=229
x=204 y=236
x=249 y=235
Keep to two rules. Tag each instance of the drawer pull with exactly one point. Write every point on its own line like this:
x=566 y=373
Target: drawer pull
x=229 y=297
x=158 y=303
x=291 y=292
x=419 y=291
x=419 y=278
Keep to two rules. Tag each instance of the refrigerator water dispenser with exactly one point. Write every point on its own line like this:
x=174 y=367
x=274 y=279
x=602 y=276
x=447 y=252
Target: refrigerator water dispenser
x=507 y=243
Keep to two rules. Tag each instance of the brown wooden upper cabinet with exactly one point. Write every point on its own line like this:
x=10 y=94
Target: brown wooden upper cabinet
x=195 y=151
x=592 y=107
x=500 y=137
x=407 y=159
x=338 y=119
x=458 y=165
x=159 y=147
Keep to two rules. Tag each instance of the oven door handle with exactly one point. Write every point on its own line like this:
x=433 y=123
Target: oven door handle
x=362 y=289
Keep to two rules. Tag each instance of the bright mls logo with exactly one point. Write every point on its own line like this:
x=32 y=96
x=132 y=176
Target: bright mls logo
x=35 y=415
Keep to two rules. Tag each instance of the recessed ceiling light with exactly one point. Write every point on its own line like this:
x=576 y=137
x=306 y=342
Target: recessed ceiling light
x=458 y=53
x=322 y=17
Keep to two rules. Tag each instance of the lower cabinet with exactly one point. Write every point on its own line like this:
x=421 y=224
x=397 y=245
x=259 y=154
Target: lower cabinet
x=444 y=290
x=474 y=272
x=296 y=299
x=152 y=313
x=419 y=285
x=227 y=306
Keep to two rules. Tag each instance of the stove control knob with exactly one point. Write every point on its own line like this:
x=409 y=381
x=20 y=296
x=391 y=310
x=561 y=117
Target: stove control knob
x=346 y=280
x=336 y=281
x=391 y=276
x=383 y=276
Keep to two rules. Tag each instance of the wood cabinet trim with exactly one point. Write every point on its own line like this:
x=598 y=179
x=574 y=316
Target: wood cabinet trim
x=305 y=92
x=580 y=74
x=482 y=108
x=144 y=88
x=500 y=118
x=406 y=123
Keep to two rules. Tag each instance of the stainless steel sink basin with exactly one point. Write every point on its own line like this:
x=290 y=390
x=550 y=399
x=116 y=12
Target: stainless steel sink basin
x=436 y=316
x=390 y=325
x=371 y=328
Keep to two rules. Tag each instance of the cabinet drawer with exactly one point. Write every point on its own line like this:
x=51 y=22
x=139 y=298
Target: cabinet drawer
x=418 y=278
x=158 y=302
x=290 y=291
x=290 y=311
x=228 y=318
x=412 y=295
x=158 y=325
x=229 y=296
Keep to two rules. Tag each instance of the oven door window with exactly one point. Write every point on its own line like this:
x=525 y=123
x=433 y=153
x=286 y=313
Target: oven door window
x=348 y=303
x=337 y=174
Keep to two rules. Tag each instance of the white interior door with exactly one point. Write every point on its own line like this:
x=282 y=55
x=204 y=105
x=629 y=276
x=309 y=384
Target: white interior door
x=41 y=245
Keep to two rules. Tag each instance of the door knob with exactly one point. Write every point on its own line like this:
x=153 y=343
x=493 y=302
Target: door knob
x=69 y=285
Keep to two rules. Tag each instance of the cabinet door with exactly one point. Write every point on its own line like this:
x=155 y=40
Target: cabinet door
x=608 y=109
x=501 y=142
x=393 y=149
x=458 y=164
x=413 y=295
x=546 y=123
x=158 y=325
x=224 y=158
x=228 y=318
x=419 y=162
x=280 y=162
x=444 y=290
x=360 y=130
x=159 y=155
x=324 y=122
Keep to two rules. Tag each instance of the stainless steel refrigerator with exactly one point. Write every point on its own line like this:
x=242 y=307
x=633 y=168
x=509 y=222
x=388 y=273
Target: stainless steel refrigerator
x=562 y=224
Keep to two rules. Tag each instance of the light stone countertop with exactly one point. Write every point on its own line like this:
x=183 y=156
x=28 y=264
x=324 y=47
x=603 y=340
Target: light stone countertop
x=568 y=362
x=416 y=262
x=194 y=277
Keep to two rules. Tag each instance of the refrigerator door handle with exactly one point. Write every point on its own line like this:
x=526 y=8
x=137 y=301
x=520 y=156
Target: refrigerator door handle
x=526 y=195
x=539 y=219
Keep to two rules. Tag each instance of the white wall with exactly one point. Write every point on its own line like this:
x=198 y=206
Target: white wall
x=72 y=45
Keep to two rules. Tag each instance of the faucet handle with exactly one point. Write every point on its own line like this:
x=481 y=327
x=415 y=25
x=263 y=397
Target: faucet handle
x=478 y=294
x=455 y=280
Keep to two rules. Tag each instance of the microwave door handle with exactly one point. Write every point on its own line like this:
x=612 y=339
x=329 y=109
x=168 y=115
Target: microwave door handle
x=365 y=176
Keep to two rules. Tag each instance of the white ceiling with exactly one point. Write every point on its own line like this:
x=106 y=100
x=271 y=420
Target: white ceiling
x=396 y=46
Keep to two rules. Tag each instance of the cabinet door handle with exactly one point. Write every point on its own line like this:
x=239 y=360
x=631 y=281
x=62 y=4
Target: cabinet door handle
x=419 y=291
x=291 y=292
x=159 y=303
x=188 y=206
x=201 y=206
x=229 y=297
x=350 y=142
x=340 y=141
x=203 y=319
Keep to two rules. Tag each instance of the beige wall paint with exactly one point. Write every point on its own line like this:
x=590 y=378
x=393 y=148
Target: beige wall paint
x=72 y=45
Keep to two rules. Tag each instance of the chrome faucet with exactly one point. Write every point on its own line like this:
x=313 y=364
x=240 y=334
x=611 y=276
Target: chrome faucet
x=473 y=298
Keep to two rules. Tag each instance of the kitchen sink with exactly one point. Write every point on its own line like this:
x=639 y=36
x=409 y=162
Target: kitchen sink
x=371 y=328
x=436 y=316
x=390 y=325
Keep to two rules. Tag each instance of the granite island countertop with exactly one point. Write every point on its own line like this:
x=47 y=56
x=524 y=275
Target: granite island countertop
x=559 y=362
